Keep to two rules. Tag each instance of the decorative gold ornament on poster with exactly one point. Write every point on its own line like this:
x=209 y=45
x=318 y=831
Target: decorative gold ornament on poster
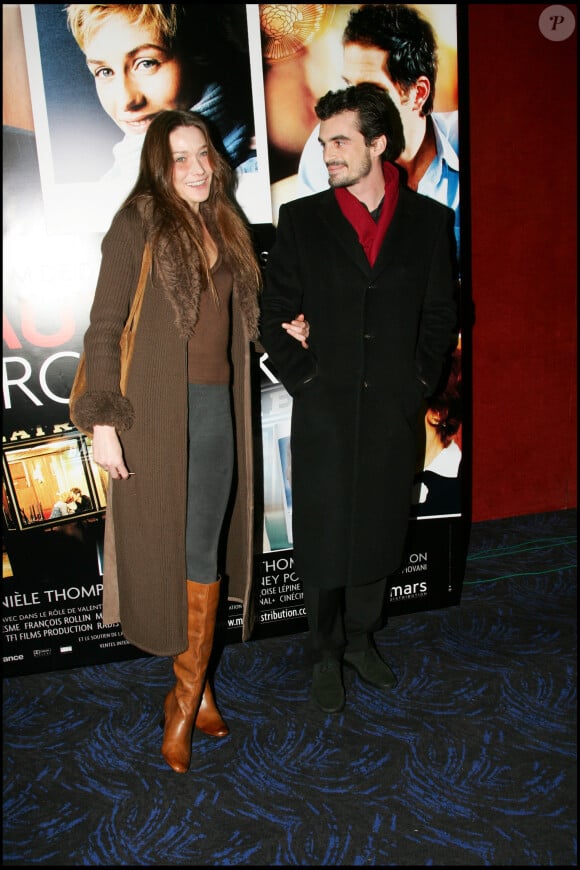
x=287 y=28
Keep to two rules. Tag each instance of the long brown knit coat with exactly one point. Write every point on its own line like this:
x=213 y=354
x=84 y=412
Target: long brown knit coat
x=145 y=573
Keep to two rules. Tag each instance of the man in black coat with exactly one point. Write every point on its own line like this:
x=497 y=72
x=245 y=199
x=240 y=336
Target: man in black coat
x=372 y=266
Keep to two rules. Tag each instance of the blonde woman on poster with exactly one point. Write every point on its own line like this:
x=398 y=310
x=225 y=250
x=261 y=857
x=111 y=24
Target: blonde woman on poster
x=101 y=72
x=145 y=58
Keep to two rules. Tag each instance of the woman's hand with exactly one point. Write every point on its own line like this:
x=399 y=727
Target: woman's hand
x=299 y=328
x=108 y=453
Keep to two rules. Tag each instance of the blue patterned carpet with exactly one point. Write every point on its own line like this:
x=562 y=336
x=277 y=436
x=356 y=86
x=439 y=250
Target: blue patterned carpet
x=471 y=760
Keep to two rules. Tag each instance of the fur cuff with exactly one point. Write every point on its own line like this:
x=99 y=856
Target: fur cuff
x=102 y=409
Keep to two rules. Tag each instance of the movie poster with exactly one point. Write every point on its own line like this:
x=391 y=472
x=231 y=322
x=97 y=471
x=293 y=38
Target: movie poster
x=89 y=120
x=70 y=157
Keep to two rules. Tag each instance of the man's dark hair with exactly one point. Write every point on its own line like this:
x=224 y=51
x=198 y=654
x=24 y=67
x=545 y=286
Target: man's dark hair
x=377 y=114
x=407 y=38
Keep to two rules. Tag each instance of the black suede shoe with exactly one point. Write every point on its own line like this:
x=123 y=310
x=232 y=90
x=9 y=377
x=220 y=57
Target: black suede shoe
x=327 y=687
x=371 y=668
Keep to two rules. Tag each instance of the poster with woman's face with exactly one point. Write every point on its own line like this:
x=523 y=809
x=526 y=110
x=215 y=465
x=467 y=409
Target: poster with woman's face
x=99 y=75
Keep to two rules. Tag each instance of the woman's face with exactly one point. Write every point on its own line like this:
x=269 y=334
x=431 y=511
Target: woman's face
x=135 y=75
x=192 y=172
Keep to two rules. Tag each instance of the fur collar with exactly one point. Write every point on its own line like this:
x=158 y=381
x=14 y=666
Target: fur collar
x=180 y=279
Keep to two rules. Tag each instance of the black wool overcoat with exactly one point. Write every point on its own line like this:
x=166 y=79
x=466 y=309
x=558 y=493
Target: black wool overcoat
x=378 y=339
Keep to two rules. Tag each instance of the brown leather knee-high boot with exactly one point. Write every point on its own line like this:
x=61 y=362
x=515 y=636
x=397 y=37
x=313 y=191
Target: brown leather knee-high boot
x=209 y=719
x=190 y=667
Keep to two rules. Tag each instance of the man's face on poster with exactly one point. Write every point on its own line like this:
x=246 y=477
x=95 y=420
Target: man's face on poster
x=365 y=63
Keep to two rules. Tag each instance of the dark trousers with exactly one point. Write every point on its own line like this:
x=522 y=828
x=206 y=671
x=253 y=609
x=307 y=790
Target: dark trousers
x=209 y=483
x=343 y=618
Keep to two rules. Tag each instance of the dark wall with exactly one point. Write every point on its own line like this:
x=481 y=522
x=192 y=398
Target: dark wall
x=523 y=171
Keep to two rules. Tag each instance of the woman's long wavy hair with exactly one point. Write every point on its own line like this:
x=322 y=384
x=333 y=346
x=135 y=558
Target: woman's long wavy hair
x=176 y=230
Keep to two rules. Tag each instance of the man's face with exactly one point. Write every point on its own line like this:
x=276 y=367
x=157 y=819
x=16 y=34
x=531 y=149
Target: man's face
x=346 y=155
x=135 y=75
x=363 y=63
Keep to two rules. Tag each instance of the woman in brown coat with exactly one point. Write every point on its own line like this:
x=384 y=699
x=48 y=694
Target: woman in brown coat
x=170 y=443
